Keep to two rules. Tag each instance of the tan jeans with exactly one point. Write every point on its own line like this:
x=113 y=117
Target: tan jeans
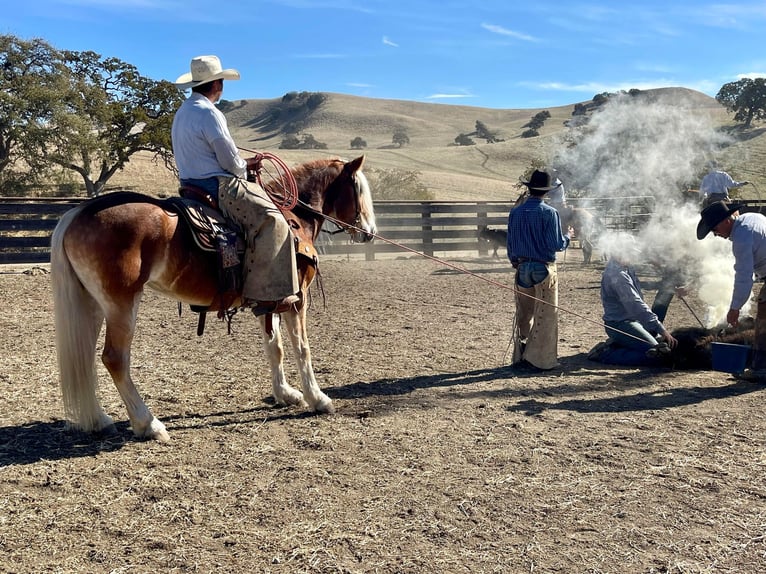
x=537 y=327
x=269 y=265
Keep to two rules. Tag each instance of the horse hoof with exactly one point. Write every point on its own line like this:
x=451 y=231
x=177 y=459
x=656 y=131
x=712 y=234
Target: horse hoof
x=155 y=431
x=325 y=406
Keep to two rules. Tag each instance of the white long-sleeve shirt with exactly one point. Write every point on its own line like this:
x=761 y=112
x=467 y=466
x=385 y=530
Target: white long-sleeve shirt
x=202 y=144
x=717 y=183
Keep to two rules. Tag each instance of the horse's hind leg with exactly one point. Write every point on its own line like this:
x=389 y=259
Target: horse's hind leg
x=284 y=394
x=120 y=328
x=312 y=394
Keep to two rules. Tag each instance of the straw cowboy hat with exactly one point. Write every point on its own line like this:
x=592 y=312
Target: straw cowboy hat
x=205 y=69
x=542 y=181
x=714 y=214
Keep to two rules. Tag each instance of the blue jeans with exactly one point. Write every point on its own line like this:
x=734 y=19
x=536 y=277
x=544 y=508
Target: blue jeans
x=530 y=273
x=209 y=184
x=631 y=335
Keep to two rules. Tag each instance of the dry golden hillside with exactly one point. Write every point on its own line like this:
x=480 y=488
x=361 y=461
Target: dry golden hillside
x=479 y=172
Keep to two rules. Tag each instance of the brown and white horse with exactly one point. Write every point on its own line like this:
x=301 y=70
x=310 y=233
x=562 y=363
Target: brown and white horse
x=105 y=251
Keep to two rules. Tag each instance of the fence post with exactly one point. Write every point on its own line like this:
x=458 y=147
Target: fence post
x=481 y=214
x=428 y=237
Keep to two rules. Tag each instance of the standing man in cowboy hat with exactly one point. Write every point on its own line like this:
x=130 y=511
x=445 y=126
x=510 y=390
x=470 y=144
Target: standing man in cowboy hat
x=207 y=157
x=747 y=233
x=534 y=237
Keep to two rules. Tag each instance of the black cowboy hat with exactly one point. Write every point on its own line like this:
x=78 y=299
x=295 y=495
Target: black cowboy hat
x=714 y=214
x=542 y=181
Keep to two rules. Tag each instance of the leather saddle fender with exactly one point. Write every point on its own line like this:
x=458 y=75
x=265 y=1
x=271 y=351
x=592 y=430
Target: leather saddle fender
x=208 y=226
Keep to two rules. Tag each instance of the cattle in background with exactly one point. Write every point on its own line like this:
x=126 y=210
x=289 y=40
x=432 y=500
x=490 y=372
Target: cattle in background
x=496 y=238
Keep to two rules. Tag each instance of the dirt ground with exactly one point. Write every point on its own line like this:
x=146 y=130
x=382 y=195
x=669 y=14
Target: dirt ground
x=439 y=459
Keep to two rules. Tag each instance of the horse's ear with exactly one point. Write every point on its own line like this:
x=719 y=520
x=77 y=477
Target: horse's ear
x=354 y=165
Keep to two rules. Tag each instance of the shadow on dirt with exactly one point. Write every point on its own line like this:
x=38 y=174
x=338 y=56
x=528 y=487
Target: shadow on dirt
x=557 y=383
x=36 y=441
x=647 y=401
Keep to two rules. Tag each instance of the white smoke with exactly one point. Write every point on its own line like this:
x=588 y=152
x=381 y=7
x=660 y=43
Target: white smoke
x=637 y=154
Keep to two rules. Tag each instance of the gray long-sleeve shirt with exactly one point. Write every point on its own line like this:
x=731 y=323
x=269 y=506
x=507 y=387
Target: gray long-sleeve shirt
x=622 y=298
x=748 y=245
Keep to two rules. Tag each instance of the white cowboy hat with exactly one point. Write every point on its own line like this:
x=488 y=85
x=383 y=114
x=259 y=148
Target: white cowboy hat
x=205 y=69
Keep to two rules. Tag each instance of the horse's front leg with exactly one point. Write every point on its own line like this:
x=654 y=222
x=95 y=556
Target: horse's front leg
x=284 y=394
x=296 y=328
x=120 y=327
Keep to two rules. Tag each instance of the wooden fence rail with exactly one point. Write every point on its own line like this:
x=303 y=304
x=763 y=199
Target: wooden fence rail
x=26 y=226
x=431 y=227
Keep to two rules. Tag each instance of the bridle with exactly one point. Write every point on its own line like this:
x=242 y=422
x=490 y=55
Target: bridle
x=349 y=228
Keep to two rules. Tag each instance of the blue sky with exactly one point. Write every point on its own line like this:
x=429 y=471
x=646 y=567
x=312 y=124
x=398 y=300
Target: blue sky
x=487 y=53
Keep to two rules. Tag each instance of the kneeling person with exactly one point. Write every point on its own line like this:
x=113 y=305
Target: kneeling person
x=636 y=335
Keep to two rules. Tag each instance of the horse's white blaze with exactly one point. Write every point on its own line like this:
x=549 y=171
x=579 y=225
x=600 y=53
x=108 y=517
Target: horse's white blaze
x=366 y=212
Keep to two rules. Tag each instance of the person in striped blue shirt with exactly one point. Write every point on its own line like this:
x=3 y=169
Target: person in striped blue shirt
x=534 y=238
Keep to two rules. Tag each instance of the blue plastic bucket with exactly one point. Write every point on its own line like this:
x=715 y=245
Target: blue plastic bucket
x=730 y=358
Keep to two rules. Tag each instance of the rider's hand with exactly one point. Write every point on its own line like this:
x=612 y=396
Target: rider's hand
x=253 y=163
x=732 y=317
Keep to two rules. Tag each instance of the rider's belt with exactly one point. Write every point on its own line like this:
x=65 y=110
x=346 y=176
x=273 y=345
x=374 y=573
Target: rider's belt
x=528 y=260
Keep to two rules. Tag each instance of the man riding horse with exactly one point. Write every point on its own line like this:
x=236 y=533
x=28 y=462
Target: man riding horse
x=207 y=158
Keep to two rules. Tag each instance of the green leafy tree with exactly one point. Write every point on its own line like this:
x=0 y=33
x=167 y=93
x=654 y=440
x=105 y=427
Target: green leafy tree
x=400 y=138
x=32 y=85
x=601 y=99
x=464 y=139
x=108 y=113
x=482 y=131
x=746 y=98
x=290 y=141
x=397 y=184
x=538 y=120
x=310 y=142
x=358 y=143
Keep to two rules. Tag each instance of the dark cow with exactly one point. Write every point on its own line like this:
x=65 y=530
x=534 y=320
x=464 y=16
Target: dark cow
x=694 y=350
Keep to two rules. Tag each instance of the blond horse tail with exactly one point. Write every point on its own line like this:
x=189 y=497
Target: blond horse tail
x=78 y=320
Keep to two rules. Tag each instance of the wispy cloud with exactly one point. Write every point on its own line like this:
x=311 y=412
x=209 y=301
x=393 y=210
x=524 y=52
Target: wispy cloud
x=732 y=16
x=751 y=75
x=591 y=88
x=495 y=29
x=359 y=85
x=388 y=42
x=448 y=96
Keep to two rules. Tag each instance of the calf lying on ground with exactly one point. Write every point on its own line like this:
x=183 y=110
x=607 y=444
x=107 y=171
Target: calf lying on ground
x=694 y=349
